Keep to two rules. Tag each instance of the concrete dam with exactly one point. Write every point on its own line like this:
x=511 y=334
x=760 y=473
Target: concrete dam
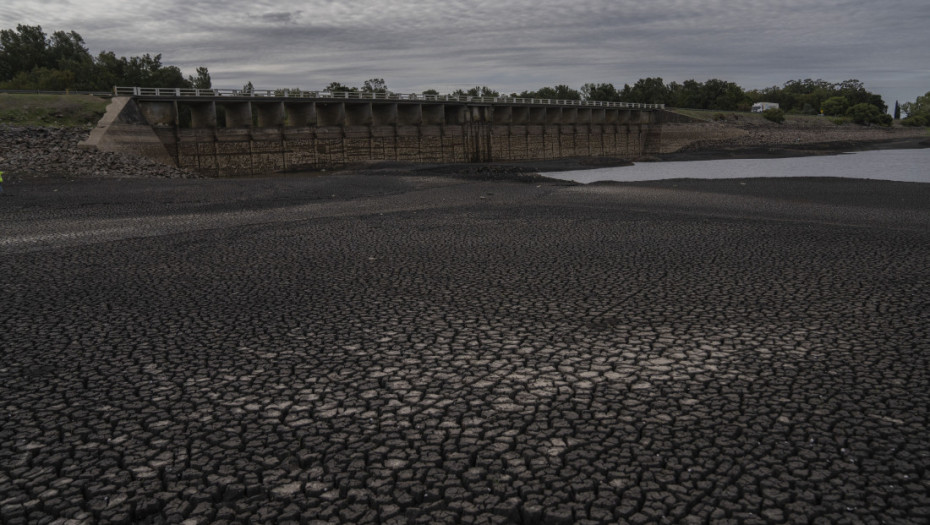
x=231 y=133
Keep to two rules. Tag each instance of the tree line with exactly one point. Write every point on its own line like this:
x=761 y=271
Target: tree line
x=805 y=97
x=918 y=112
x=30 y=59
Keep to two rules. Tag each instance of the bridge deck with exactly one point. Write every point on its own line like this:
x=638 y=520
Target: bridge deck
x=291 y=95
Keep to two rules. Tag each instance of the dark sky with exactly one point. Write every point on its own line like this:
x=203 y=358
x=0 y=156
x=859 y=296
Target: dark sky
x=509 y=45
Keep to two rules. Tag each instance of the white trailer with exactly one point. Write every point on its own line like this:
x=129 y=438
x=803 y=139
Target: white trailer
x=759 y=107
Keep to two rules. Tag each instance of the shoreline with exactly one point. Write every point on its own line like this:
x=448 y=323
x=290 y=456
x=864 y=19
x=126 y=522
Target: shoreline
x=53 y=153
x=537 y=171
x=780 y=151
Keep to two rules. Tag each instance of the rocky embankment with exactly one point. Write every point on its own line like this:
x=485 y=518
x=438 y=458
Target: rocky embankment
x=38 y=152
x=749 y=134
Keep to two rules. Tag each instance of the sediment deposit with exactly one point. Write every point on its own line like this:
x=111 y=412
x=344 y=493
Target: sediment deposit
x=391 y=349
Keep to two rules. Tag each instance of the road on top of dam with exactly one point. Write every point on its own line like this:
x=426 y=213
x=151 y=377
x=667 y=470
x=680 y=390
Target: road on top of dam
x=360 y=348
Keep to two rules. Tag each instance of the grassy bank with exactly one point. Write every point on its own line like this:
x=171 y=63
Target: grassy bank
x=61 y=111
x=753 y=118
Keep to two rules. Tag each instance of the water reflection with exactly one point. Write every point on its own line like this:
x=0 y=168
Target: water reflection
x=905 y=165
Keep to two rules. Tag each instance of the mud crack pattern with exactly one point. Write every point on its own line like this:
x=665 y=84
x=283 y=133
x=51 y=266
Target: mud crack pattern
x=480 y=353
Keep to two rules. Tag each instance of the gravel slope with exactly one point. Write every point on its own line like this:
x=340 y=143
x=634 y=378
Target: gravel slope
x=28 y=153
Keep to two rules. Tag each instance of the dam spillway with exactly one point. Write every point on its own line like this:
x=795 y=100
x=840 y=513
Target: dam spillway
x=230 y=133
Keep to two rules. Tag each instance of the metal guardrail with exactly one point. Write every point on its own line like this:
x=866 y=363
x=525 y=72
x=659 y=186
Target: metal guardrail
x=359 y=95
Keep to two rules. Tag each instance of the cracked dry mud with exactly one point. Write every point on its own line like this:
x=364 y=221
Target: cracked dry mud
x=362 y=349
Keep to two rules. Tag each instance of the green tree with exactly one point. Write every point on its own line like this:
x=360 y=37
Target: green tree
x=65 y=49
x=722 y=95
x=41 y=79
x=336 y=87
x=432 y=92
x=918 y=112
x=686 y=95
x=646 y=91
x=477 y=91
x=867 y=114
x=142 y=71
x=559 y=92
x=806 y=96
x=856 y=93
x=600 y=92
x=202 y=80
x=22 y=51
x=834 y=106
x=920 y=106
x=375 y=85
x=248 y=88
x=31 y=57
x=483 y=91
x=915 y=120
x=292 y=92
x=169 y=76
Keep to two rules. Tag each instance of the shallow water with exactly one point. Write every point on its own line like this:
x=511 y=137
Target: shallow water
x=904 y=165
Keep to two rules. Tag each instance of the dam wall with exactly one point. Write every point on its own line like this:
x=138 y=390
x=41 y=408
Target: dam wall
x=234 y=136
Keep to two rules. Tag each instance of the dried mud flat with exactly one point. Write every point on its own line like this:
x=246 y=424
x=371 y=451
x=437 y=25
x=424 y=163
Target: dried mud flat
x=374 y=349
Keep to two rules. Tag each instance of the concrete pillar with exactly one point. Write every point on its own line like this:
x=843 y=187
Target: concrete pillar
x=583 y=115
x=203 y=115
x=160 y=114
x=358 y=114
x=270 y=114
x=455 y=115
x=502 y=114
x=383 y=114
x=538 y=116
x=410 y=114
x=300 y=114
x=238 y=114
x=480 y=114
x=519 y=115
x=598 y=115
x=569 y=115
x=433 y=114
x=553 y=115
x=612 y=116
x=330 y=114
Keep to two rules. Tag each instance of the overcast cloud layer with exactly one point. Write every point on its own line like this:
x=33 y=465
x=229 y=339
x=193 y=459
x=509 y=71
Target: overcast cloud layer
x=510 y=45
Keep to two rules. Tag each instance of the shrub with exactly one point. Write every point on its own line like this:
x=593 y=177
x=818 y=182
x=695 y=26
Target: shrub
x=719 y=116
x=867 y=114
x=835 y=106
x=775 y=115
x=42 y=79
x=915 y=121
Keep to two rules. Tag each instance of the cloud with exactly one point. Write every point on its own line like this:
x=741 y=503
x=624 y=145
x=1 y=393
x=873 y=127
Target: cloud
x=281 y=18
x=511 y=45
